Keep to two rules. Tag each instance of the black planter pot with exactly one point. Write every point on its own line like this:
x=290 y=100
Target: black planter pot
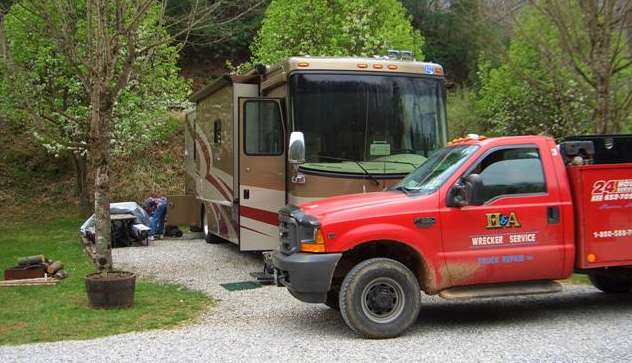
x=111 y=290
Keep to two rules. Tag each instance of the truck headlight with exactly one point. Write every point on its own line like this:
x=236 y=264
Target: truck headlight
x=317 y=245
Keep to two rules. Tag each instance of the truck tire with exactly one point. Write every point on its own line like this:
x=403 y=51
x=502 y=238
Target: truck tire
x=611 y=283
x=380 y=298
x=208 y=236
x=333 y=299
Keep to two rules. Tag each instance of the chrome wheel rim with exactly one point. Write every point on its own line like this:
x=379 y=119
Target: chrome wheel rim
x=383 y=300
x=205 y=222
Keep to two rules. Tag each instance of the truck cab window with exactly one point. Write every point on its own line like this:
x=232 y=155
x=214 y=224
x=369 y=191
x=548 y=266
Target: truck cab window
x=263 y=132
x=511 y=172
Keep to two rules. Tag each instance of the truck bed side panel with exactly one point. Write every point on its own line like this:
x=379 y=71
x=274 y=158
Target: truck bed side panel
x=603 y=206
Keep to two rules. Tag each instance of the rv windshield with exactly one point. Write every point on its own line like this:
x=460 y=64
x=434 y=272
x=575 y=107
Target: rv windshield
x=364 y=123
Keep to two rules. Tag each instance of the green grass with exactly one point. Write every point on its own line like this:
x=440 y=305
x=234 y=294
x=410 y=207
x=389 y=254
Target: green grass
x=577 y=279
x=61 y=312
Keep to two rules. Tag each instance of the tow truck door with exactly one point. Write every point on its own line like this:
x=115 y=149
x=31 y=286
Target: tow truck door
x=261 y=172
x=516 y=234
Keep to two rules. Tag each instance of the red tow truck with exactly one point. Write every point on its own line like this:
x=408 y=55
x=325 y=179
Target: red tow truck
x=482 y=217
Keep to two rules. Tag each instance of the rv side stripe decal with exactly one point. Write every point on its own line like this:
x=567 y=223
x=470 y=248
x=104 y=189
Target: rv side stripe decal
x=219 y=185
x=259 y=215
x=214 y=182
x=226 y=185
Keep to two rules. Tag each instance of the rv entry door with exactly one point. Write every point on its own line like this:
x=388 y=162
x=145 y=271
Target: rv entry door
x=261 y=172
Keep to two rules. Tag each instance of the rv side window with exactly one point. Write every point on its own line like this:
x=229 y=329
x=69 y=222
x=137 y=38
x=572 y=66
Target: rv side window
x=217 y=131
x=263 y=132
x=193 y=139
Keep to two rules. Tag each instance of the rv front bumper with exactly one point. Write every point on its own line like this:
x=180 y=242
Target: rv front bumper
x=307 y=276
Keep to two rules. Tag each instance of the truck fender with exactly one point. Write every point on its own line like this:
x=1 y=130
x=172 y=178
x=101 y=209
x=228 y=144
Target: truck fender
x=377 y=232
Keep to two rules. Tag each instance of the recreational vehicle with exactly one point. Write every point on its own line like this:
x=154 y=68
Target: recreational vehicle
x=301 y=130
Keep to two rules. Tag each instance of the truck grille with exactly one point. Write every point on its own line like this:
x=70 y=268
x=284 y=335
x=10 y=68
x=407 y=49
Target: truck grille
x=288 y=234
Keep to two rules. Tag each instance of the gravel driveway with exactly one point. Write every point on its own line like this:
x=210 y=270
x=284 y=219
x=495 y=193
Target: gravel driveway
x=267 y=324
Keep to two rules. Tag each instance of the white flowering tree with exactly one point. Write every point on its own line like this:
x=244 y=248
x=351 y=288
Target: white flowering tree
x=48 y=92
x=112 y=63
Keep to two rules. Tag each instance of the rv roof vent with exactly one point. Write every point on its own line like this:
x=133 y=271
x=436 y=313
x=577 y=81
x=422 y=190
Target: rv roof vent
x=405 y=55
x=394 y=54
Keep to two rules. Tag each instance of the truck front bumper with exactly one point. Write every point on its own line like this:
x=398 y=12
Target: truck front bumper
x=307 y=276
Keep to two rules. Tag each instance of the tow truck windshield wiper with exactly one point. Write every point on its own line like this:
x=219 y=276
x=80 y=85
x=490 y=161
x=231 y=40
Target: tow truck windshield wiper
x=405 y=189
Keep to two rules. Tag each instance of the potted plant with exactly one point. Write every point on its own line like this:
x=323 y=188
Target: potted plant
x=111 y=289
x=106 y=288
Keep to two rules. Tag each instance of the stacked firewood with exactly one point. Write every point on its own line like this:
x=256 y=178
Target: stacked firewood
x=34 y=270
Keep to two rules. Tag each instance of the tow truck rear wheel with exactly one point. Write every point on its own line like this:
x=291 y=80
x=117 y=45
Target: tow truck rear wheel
x=611 y=283
x=380 y=298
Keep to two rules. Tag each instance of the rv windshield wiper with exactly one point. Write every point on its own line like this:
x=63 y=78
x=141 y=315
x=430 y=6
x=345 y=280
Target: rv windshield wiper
x=366 y=172
x=399 y=162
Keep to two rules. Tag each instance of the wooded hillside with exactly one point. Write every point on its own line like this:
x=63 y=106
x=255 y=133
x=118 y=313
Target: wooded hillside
x=557 y=67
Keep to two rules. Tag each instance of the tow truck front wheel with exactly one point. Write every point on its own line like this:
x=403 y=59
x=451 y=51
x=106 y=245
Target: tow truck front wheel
x=380 y=298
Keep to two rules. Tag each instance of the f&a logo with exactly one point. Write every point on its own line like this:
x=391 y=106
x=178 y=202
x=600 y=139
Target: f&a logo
x=499 y=220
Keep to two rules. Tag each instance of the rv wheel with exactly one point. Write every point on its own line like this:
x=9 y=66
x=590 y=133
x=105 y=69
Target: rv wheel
x=208 y=236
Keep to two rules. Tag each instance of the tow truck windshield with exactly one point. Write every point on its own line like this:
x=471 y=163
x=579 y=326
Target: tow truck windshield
x=436 y=170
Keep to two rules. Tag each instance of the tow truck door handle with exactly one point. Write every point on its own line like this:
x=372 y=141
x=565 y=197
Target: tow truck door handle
x=553 y=214
x=424 y=222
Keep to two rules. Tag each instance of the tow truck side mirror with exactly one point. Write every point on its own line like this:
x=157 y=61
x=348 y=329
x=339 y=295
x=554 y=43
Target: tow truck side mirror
x=296 y=149
x=467 y=191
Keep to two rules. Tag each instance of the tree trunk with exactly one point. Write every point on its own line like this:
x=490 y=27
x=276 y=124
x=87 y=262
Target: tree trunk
x=600 y=54
x=81 y=178
x=603 y=123
x=101 y=115
x=102 y=205
x=101 y=156
x=599 y=19
x=100 y=119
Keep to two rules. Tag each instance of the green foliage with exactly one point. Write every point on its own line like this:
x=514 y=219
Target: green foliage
x=40 y=89
x=334 y=28
x=61 y=312
x=223 y=40
x=538 y=88
x=533 y=92
x=462 y=119
x=457 y=35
